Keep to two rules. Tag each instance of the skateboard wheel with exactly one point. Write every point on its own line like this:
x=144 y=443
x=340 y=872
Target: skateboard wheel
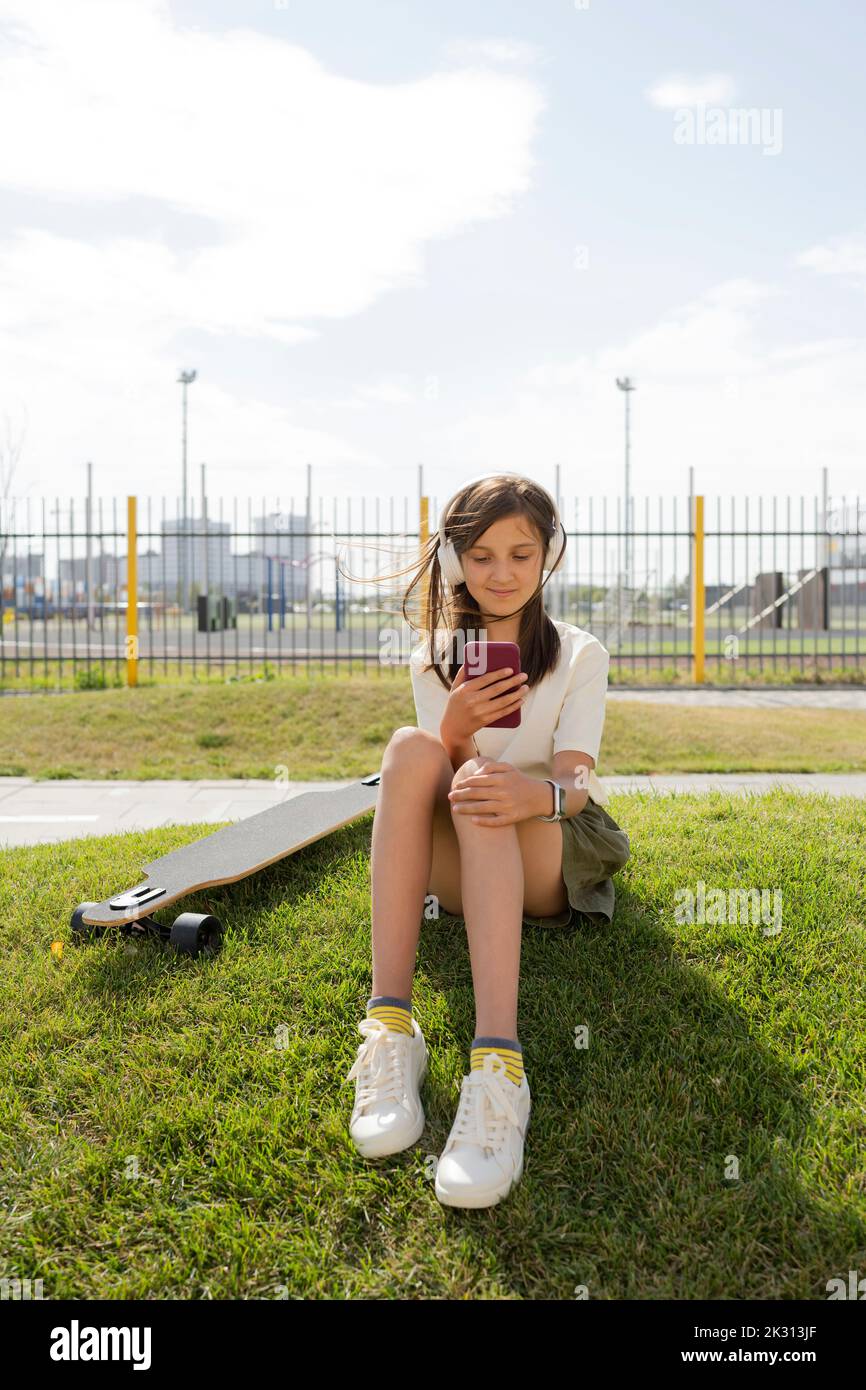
x=84 y=931
x=194 y=932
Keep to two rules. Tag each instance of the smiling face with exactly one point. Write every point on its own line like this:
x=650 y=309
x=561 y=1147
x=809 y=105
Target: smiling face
x=503 y=567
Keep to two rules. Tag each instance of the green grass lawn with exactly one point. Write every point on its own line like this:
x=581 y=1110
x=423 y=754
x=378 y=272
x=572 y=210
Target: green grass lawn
x=707 y=1044
x=328 y=727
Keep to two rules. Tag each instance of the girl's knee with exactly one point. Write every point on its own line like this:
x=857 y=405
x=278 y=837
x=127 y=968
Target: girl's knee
x=471 y=766
x=410 y=745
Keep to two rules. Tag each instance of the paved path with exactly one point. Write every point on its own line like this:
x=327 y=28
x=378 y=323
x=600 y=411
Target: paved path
x=34 y=812
x=813 y=698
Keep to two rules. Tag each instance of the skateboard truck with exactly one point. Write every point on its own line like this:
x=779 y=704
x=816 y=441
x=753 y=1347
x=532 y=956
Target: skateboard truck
x=136 y=896
x=190 y=934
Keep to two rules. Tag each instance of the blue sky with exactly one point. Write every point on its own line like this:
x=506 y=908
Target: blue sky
x=394 y=233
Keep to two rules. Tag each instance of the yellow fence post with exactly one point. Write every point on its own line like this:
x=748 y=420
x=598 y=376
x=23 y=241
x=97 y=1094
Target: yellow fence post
x=698 y=592
x=131 y=594
x=424 y=533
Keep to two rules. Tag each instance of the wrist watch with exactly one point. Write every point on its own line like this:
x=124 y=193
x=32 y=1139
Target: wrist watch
x=558 y=801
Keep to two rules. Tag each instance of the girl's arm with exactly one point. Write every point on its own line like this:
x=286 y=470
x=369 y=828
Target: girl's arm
x=460 y=753
x=571 y=770
x=500 y=794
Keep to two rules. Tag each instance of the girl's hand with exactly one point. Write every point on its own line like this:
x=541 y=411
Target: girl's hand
x=497 y=795
x=476 y=702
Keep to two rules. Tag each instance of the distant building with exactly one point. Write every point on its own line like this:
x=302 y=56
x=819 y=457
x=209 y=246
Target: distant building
x=21 y=569
x=192 y=548
x=280 y=536
x=241 y=572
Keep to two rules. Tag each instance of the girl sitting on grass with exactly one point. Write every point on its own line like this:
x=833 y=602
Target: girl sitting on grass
x=458 y=817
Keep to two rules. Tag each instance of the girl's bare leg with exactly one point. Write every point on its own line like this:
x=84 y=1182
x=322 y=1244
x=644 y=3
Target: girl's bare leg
x=415 y=771
x=491 y=888
x=494 y=918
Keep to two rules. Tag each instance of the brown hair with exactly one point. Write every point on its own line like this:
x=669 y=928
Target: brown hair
x=471 y=512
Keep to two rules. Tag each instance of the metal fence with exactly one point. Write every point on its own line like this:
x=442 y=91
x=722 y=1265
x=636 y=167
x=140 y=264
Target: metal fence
x=232 y=589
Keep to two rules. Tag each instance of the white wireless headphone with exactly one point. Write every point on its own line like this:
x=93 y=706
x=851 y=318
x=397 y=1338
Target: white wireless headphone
x=449 y=561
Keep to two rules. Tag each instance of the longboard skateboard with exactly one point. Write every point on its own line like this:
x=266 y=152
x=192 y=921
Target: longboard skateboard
x=225 y=856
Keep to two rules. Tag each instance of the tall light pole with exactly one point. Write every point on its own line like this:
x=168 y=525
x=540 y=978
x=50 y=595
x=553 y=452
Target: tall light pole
x=309 y=545
x=626 y=385
x=204 y=542
x=88 y=563
x=185 y=379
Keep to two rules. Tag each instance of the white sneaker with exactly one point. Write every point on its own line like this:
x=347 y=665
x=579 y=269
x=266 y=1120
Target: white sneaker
x=388 y=1071
x=483 y=1157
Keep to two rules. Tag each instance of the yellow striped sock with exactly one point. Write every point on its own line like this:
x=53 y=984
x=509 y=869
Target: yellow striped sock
x=395 y=1013
x=508 y=1049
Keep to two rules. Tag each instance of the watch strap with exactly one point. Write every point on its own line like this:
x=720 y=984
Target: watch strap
x=558 y=800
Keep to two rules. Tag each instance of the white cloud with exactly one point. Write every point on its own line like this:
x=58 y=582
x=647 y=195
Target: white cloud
x=715 y=391
x=705 y=339
x=492 y=51
x=316 y=195
x=390 y=390
x=842 y=256
x=716 y=89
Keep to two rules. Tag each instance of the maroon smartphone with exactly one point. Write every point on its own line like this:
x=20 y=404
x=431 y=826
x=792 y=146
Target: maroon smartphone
x=481 y=657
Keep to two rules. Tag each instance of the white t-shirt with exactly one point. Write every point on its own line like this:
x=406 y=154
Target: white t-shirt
x=564 y=710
